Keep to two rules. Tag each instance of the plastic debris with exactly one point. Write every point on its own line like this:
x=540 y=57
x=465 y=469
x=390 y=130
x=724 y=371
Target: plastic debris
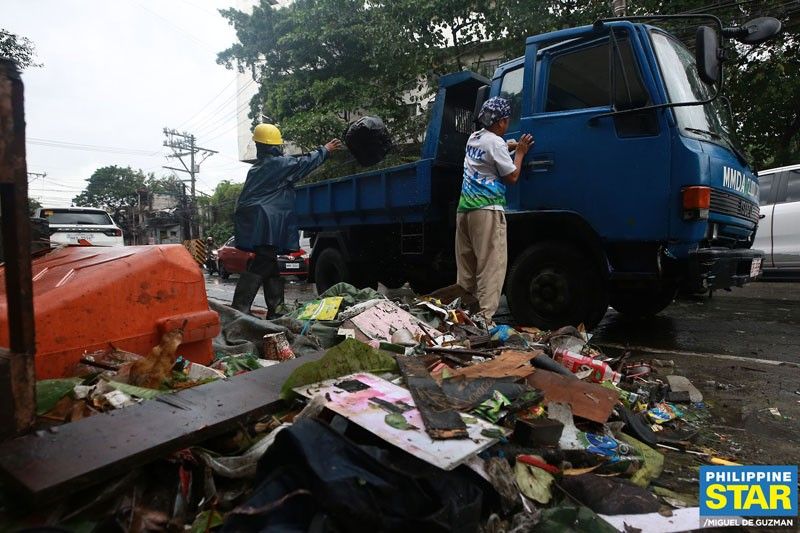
x=600 y=371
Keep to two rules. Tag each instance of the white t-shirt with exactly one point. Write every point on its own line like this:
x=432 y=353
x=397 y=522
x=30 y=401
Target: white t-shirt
x=486 y=162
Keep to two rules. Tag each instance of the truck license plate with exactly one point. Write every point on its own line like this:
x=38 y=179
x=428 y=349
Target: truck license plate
x=292 y=266
x=755 y=268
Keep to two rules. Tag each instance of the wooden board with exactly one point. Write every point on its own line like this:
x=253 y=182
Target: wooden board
x=441 y=420
x=510 y=363
x=364 y=408
x=73 y=456
x=588 y=400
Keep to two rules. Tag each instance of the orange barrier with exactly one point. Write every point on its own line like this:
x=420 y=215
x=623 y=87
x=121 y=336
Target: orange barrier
x=90 y=298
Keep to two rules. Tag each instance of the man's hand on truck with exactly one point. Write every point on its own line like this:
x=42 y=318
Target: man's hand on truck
x=521 y=148
x=333 y=145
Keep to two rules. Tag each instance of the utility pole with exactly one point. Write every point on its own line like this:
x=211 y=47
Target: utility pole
x=619 y=8
x=184 y=144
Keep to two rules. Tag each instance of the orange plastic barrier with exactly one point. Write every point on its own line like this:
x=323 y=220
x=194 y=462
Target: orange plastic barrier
x=89 y=298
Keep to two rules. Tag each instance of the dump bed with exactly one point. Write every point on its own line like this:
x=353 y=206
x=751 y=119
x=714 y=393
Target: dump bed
x=405 y=193
x=379 y=197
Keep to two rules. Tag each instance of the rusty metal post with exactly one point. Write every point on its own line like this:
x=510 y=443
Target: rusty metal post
x=17 y=376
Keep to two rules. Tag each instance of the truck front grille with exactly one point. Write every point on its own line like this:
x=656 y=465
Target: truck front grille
x=729 y=204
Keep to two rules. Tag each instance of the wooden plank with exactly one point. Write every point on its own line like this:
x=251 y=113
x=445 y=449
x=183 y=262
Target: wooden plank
x=45 y=465
x=18 y=391
x=441 y=421
x=588 y=400
x=508 y=364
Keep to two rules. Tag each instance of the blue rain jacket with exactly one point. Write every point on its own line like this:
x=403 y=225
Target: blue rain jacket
x=264 y=213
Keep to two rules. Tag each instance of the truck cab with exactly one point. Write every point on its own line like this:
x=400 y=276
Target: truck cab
x=635 y=186
x=659 y=194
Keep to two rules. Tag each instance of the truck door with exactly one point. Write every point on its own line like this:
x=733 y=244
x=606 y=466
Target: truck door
x=613 y=171
x=786 y=223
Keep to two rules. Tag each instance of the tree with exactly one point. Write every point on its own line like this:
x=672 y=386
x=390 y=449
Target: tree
x=222 y=204
x=320 y=61
x=111 y=188
x=17 y=48
x=33 y=204
x=317 y=62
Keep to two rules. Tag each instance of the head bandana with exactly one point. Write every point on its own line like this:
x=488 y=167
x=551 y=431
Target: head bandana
x=494 y=109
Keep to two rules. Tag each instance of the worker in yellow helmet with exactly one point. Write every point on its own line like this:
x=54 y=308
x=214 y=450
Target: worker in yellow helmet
x=264 y=219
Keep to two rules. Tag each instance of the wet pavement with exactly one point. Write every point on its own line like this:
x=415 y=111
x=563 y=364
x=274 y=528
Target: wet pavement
x=222 y=289
x=761 y=320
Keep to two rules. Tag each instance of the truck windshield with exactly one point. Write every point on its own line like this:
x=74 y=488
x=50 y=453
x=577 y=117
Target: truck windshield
x=710 y=122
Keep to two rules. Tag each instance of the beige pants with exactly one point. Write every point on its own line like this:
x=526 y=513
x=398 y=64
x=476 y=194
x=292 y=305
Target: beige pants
x=482 y=256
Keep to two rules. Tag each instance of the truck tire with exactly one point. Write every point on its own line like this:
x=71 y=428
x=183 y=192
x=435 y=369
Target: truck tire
x=553 y=284
x=330 y=268
x=643 y=303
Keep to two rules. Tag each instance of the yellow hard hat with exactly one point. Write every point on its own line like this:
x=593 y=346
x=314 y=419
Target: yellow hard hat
x=267 y=134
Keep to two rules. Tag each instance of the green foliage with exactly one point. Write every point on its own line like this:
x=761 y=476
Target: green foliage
x=220 y=232
x=33 y=205
x=165 y=185
x=319 y=62
x=18 y=49
x=111 y=188
x=222 y=204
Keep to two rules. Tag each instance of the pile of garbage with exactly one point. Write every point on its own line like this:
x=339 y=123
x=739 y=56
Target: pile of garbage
x=412 y=411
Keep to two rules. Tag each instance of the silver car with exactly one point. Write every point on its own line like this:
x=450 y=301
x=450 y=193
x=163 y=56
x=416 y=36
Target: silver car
x=779 y=231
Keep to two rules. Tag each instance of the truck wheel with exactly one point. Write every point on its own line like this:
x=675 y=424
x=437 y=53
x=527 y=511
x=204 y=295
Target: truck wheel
x=553 y=284
x=643 y=302
x=330 y=269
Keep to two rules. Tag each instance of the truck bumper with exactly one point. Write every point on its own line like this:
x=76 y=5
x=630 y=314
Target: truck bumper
x=723 y=268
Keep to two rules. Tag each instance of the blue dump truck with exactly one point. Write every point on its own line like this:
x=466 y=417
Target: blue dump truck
x=635 y=187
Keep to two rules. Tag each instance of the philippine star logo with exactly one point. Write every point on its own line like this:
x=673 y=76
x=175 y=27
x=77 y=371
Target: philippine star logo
x=756 y=496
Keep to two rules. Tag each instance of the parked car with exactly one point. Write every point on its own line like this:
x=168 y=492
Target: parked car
x=231 y=260
x=779 y=231
x=80 y=226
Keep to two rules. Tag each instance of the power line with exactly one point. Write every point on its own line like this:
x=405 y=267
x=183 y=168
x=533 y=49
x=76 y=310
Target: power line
x=184 y=145
x=91 y=147
x=208 y=103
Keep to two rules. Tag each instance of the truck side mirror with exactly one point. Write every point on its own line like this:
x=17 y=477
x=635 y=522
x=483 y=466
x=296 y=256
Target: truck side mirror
x=707 y=54
x=480 y=98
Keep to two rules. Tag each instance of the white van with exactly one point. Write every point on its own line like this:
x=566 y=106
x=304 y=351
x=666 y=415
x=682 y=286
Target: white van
x=778 y=232
x=81 y=225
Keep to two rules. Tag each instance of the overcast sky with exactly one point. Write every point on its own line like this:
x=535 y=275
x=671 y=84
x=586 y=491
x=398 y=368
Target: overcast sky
x=116 y=72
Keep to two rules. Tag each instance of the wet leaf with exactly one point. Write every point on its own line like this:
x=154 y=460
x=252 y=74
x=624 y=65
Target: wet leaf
x=398 y=421
x=49 y=391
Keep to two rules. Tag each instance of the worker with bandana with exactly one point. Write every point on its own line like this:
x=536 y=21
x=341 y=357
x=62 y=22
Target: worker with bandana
x=481 y=248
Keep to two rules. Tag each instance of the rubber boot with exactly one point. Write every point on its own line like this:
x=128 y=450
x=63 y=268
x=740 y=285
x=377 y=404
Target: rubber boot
x=273 y=294
x=246 y=291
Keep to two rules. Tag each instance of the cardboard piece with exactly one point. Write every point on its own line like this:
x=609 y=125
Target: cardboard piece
x=588 y=400
x=384 y=318
x=361 y=408
x=510 y=363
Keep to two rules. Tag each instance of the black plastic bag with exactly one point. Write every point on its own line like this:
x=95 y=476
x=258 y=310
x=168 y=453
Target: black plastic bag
x=368 y=140
x=315 y=478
